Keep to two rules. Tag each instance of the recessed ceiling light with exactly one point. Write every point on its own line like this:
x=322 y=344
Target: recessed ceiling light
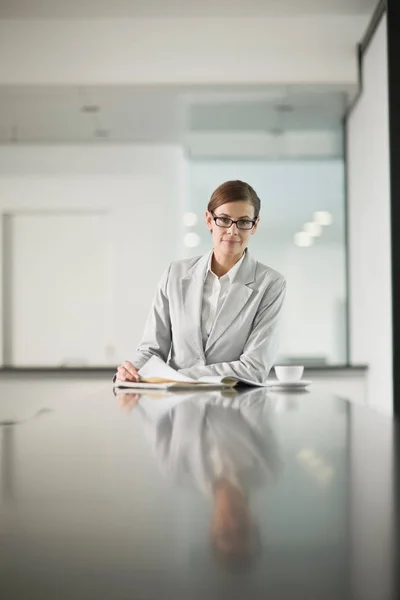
x=284 y=107
x=189 y=219
x=90 y=108
x=313 y=229
x=323 y=217
x=191 y=240
x=303 y=239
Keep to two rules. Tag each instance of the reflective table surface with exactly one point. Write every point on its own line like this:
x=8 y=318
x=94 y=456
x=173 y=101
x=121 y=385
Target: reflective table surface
x=243 y=494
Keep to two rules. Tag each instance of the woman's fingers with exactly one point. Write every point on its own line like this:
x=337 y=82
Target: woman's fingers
x=132 y=370
x=123 y=374
x=127 y=372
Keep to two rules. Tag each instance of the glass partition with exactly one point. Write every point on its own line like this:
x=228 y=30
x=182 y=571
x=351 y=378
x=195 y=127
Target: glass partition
x=301 y=234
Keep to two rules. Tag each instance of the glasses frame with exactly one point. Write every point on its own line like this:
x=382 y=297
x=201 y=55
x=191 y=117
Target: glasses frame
x=253 y=221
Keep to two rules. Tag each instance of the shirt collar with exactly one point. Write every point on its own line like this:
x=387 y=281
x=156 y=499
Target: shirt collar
x=231 y=273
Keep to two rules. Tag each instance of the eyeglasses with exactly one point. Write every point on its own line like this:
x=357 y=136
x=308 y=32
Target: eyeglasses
x=226 y=222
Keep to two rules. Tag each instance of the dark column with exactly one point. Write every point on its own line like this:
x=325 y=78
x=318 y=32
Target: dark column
x=393 y=30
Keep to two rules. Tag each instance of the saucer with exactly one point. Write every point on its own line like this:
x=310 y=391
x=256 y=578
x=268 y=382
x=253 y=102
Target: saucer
x=285 y=385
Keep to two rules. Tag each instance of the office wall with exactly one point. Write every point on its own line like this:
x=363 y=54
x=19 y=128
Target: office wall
x=369 y=226
x=304 y=50
x=139 y=187
x=145 y=190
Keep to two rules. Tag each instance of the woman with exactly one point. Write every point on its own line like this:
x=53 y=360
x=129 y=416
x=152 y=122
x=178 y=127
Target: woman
x=217 y=314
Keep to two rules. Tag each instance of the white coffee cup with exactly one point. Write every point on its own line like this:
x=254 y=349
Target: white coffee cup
x=289 y=373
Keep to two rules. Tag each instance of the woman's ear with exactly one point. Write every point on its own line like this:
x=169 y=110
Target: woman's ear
x=209 y=220
x=255 y=226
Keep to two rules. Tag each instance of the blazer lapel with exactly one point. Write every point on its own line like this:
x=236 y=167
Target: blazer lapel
x=192 y=299
x=239 y=294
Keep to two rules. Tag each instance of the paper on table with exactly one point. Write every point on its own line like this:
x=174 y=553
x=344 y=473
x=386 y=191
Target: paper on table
x=156 y=368
x=156 y=371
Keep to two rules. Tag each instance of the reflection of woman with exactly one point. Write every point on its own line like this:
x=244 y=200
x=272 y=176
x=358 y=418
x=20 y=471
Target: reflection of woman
x=224 y=447
x=217 y=314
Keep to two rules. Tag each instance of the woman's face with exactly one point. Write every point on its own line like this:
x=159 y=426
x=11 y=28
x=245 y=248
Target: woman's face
x=231 y=241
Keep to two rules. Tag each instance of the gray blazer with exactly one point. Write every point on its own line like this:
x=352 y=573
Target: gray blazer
x=243 y=341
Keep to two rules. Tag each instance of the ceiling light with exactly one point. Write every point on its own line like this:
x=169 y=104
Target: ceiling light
x=90 y=108
x=189 y=219
x=284 y=108
x=303 y=239
x=322 y=217
x=191 y=240
x=313 y=229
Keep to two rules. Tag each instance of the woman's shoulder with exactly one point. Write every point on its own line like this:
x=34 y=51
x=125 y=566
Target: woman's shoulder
x=261 y=274
x=183 y=267
x=266 y=272
x=270 y=283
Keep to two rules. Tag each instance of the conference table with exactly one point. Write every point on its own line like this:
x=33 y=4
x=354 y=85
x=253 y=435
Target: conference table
x=245 y=493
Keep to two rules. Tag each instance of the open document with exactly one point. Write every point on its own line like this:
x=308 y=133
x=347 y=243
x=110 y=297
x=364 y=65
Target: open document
x=157 y=375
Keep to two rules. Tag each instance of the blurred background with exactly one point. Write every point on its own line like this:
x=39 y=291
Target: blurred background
x=118 y=120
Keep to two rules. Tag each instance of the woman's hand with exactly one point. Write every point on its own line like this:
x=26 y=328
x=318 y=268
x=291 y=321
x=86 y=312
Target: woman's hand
x=127 y=372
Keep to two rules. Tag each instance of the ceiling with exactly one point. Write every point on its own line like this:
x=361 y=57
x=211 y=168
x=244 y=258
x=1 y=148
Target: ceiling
x=162 y=114
x=26 y=9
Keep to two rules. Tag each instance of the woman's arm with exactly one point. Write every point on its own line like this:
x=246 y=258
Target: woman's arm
x=156 y=340
x=261 y=347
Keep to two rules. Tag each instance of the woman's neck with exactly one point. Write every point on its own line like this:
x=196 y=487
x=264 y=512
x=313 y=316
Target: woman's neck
x=221 y=264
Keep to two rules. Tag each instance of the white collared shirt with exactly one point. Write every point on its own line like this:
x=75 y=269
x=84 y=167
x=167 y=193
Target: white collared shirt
x=215 y=291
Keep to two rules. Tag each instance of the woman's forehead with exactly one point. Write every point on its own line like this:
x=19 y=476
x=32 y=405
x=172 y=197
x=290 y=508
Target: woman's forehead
x=236 y=209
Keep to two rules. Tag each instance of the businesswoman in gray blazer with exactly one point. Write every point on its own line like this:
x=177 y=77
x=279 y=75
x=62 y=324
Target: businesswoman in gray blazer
x=217 y=314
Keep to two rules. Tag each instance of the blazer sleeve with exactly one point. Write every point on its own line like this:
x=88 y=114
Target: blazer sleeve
x=261 y=347
x=156 y=340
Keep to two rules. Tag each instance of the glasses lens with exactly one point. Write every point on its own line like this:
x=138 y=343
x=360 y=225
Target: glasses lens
x=245 y=224
x=223 y=222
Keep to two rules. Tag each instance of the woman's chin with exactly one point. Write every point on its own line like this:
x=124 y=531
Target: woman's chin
x=231 y=246
x=230 y=249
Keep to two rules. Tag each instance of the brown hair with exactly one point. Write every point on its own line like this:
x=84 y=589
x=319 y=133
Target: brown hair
x=234 y=191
